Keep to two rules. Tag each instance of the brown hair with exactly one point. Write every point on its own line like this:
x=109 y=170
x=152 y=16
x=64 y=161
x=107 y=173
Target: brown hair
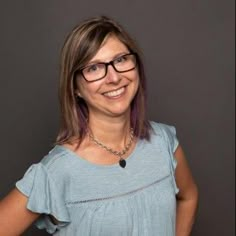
x=80 y=46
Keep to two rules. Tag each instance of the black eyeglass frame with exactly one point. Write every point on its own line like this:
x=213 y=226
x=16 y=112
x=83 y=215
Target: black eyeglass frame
x=106 y=66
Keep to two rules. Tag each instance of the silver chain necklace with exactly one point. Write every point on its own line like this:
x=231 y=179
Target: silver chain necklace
x=122 y=162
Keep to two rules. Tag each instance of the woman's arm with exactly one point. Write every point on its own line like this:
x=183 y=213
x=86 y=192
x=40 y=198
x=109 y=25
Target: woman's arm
x=187 y=198
x=15 y=218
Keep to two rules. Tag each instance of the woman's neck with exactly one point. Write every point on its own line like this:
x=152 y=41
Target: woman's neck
x=112 y=131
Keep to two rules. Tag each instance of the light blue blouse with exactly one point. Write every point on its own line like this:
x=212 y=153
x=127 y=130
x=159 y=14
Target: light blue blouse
x=103 y=200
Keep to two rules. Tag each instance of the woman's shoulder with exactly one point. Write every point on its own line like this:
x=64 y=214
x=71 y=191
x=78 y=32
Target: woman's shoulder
x=160 y=128
x=56 y=158
x=166 y=132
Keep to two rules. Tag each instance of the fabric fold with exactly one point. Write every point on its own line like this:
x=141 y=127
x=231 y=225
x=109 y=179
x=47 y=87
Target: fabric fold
x=172 y=141
x=44 y=198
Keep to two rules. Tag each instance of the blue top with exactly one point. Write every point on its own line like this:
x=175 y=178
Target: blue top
x=103 y=200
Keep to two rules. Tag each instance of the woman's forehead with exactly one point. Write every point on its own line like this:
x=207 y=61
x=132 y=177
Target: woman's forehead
x=110 y=48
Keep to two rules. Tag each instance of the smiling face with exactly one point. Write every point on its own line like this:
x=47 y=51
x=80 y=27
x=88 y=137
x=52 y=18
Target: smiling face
x=112 y=95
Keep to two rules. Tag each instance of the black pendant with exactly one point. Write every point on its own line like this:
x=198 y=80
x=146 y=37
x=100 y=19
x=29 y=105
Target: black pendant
x=122 y=163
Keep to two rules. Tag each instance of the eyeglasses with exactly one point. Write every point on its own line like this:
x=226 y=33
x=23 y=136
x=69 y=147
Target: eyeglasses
x=120 y=64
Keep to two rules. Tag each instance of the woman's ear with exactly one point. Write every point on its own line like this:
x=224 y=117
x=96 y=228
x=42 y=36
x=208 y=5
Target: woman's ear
x=77 y=93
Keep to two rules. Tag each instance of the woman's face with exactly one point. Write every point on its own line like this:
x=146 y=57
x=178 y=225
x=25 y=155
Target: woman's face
x=112 y=95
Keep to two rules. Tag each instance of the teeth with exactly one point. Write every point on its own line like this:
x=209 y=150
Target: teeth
x=115 y=93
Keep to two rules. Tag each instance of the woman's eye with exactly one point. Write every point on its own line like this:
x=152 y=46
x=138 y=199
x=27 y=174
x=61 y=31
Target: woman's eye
x=92 y=68
x=120 y=59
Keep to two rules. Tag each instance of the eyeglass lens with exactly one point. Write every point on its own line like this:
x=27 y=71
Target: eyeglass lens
x=98 y=71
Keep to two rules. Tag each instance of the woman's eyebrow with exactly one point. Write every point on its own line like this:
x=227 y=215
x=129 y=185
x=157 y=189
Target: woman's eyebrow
x=101 y=61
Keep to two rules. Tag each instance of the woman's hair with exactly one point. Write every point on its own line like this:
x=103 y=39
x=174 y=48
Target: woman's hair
x=80 y=47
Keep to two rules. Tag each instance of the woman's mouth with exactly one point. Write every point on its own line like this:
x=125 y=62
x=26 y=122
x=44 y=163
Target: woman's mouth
x=115 y=93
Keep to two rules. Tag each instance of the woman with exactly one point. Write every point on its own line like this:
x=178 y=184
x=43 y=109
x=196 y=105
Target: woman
x=112 y=172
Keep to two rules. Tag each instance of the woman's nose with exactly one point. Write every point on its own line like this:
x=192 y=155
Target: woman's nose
x=112 y=75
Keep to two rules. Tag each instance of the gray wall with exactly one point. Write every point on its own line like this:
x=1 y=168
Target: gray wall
x=189 y=56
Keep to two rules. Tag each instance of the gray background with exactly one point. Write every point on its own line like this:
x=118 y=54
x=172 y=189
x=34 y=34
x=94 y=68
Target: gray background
x=189 y=56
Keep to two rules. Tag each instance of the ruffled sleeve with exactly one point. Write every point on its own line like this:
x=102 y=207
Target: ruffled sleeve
x=44 y=198
x=169 y=133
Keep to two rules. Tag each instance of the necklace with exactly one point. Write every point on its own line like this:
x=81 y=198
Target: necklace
x=122 y=162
